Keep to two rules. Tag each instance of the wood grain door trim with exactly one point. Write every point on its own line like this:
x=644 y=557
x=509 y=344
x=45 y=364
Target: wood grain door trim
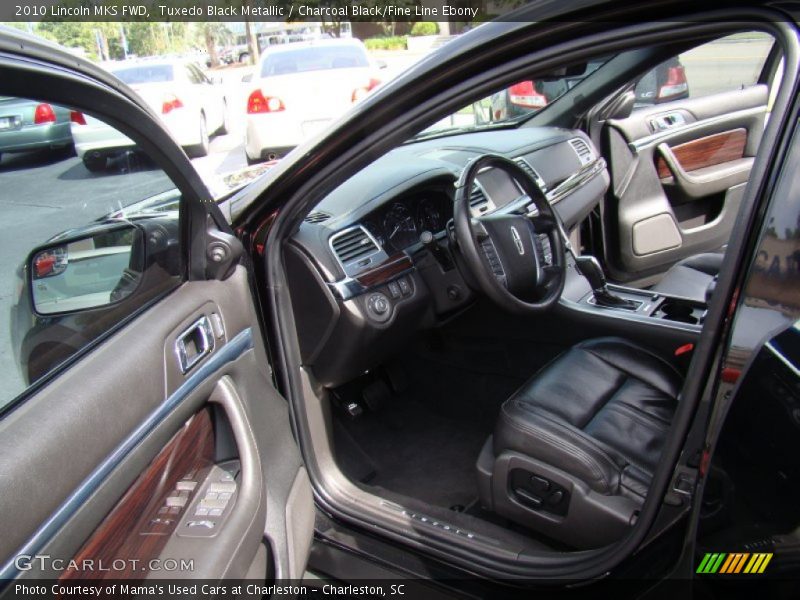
x=707 y=151
x=138 y=527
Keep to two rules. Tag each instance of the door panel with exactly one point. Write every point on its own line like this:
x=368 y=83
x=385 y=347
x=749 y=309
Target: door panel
x=678 y=174
x=73 y=450
x=147 y=416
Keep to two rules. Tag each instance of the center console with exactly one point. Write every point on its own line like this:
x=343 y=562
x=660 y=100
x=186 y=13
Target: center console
x=652 y=304
x=586 y=291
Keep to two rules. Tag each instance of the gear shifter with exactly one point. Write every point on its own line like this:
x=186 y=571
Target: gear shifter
x=590 y=268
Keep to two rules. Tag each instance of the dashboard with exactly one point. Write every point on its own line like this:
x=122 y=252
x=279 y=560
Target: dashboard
x=399 y=224
x=357 y=264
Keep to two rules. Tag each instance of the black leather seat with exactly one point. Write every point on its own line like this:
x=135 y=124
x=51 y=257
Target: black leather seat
x=591 y=424
x=691 y=277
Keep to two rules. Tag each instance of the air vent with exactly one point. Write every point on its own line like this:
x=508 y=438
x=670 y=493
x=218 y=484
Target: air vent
x=526 y=166
x=317 y=217
x=354 y=245
x=585 y=154
x=478 y=200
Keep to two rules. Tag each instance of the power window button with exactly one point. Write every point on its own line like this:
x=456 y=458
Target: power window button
x=222 y=488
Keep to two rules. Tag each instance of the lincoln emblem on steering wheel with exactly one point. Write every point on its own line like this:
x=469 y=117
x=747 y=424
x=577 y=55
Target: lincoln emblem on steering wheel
x=517 y=241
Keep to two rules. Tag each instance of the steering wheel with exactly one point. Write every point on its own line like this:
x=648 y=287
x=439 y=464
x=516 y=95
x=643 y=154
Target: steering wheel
x=518 y=260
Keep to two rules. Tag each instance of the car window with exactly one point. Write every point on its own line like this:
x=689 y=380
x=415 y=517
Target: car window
x=145 y=74
x=313 y=59
x=730 y=63
x=517 y=101
x=89 y=235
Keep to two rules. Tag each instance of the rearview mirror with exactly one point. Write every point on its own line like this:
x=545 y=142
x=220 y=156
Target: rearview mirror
x=576 y=70
x=96 y=270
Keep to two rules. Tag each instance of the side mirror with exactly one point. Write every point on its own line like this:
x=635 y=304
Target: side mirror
x=381 y=64
x=247 y=78
x=94 y=270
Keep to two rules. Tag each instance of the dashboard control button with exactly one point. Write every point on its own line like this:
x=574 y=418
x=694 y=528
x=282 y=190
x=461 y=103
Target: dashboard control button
x=405 y=286
x=379 y=307
x=394 y=290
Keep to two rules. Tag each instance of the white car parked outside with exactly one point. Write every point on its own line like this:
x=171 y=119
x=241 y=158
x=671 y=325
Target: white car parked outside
x=299 y=88
x=190 y=104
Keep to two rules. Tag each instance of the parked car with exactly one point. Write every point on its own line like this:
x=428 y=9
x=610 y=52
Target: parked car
x=665 y=83
x=192 y=107
x=26 y=125
x=300 y=88
x=547 y=355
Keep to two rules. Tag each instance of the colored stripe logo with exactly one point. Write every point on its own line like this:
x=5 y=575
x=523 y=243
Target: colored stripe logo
x=734 y=563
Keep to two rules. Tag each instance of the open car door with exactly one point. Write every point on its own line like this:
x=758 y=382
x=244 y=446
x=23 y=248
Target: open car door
x=680 y=161
x=142 y=437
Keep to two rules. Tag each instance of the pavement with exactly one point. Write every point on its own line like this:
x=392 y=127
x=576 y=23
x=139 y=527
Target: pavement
x=43 y=194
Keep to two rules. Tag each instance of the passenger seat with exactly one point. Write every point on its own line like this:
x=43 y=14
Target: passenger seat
x=691 y=277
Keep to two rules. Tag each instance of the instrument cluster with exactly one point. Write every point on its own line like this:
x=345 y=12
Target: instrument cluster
x=399 y=224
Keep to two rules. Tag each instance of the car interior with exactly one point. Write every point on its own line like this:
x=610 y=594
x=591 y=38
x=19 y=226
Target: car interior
x=467 y=330
x=495 y=320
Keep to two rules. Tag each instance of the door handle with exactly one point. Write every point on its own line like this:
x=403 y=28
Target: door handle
x=195 y=343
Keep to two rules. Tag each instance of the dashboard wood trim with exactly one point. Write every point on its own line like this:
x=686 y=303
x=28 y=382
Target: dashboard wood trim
x=128 y=532
x=390 y=268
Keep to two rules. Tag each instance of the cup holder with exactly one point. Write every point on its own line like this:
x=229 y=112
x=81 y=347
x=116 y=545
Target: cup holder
x=677 y=310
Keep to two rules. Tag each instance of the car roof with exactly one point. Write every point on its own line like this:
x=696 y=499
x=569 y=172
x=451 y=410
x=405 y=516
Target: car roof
x=145 y=62
x=316 y=43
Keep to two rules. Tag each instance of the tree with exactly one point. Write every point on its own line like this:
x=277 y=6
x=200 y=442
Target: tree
x=212 y=34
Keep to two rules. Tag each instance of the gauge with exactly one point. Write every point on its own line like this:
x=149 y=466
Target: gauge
x=429 y=216
x=399 y=226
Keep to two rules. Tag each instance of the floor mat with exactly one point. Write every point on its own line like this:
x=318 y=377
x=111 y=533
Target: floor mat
x=423 y=441
x=419 y=454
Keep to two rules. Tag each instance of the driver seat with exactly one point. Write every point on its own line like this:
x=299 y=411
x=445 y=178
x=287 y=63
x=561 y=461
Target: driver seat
x=575 y=448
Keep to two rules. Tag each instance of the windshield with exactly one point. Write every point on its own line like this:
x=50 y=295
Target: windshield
x=512 y=104
x=319 y=58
